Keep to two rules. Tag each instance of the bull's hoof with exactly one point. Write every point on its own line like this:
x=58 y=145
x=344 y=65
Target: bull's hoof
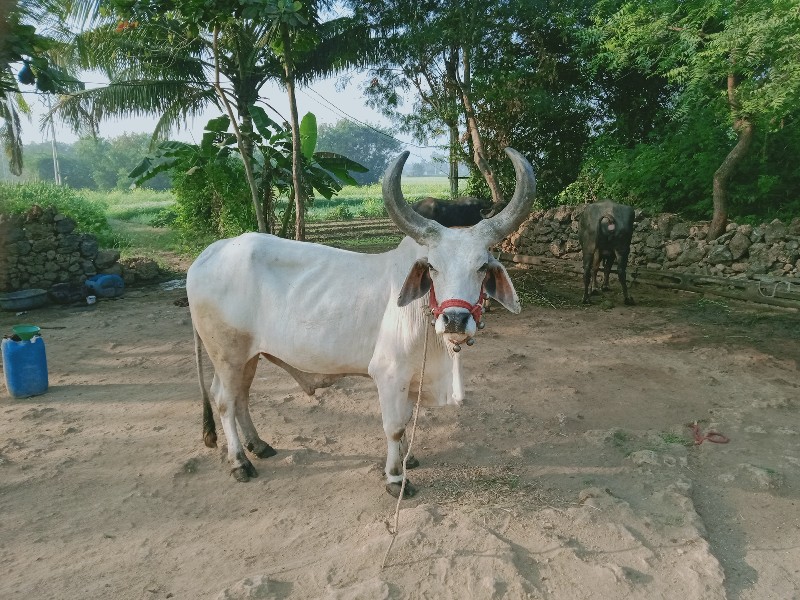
x=210 y=439
x=587 y=300
x=263 y=450
x=394 y=489
x=412 y=463
x=629 y=301
x=595 y=292
x=244 y=472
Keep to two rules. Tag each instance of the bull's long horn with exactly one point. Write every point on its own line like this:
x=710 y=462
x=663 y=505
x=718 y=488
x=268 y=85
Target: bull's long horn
x=519 y=207
x=407 y=220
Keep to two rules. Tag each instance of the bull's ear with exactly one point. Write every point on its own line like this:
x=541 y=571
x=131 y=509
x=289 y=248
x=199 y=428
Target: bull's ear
x=417 y=283
x=498 y=286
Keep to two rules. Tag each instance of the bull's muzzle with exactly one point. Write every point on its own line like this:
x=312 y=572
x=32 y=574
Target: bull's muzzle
x=455 y=321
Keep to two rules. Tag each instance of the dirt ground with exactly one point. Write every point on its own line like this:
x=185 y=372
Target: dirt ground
x=569 y=472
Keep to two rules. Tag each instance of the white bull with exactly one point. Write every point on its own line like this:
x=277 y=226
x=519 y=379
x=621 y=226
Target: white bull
x=321 y=313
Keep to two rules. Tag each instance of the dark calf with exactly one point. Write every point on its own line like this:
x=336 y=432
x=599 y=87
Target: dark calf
x=461 y=212
x=606 y=229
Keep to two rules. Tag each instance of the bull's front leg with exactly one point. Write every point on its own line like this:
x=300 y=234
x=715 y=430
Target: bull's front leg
x=396 y=411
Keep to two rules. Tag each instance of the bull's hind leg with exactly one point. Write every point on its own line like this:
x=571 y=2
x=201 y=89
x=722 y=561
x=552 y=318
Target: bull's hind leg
x=591 y=263
x=230 y=385
x=251 y=439
x=608 y=262
x=622 y=271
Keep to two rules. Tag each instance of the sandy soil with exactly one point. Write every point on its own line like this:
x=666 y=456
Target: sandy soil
x=568 y=473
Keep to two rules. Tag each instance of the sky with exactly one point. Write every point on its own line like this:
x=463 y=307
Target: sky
x=324 y=98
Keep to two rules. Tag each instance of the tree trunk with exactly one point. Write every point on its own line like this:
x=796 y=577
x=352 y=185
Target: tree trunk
x=451 y=101
x=297 y=178
x=479 y=155
x=244 y=142
x=745 y=131
x=267 y=198
x=453 y=161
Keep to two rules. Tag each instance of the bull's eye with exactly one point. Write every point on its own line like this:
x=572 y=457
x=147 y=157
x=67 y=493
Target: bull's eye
x=484 y=268
x=432 y=269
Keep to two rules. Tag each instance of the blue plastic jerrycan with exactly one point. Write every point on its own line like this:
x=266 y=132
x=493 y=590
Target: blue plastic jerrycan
x=25 y=367
x=106 y=286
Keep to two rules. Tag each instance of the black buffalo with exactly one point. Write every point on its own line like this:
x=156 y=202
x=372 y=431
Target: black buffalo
x=606 y=229
x=461 y=212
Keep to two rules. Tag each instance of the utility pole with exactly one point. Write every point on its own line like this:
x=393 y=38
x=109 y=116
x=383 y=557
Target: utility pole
x=56 y=166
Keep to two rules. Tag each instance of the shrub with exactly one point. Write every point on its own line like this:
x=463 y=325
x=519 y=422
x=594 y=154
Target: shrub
x=166 y=217
x=339 y=213
x=215 y=199
x=372 y=208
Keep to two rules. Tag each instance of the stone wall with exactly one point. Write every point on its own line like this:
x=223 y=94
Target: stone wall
x=41 y=248
x=667 y=242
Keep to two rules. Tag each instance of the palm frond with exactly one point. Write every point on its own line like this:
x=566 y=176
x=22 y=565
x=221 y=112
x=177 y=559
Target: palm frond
x=10 y=133
x=342 y=44
x=174 y=118
x=134 y=98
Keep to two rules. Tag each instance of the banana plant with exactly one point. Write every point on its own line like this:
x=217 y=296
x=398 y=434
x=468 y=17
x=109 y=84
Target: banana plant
x=323 y=172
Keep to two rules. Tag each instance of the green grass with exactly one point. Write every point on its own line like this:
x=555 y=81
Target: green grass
x=674 y=438
x=138 y=206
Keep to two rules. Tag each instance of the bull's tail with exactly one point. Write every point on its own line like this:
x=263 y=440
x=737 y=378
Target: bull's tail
x=607 y=227
x=209 y=428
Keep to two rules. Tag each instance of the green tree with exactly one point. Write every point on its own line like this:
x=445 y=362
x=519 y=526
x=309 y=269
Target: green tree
x=426 y=49
x=492 y=75
x=530 y=83
x=367 y=144
x=93 y=163
x=735 y=57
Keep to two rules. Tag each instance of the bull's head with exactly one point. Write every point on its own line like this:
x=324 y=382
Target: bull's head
x=459 y=266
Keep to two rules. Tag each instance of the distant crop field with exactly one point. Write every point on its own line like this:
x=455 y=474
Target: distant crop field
x=366 y=201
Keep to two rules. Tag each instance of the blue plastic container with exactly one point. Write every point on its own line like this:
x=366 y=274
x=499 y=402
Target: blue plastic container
x=106 y=286
x=25 y=367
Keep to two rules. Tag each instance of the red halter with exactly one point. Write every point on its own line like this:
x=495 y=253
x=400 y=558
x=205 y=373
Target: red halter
x=476 y=310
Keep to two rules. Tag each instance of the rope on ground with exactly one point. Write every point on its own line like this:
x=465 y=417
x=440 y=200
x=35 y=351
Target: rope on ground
x=408 y=450
x=710 y=435
x=761 y=290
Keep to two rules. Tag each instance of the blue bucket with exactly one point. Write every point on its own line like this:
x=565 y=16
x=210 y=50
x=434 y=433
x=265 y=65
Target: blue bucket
x=25 y=367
